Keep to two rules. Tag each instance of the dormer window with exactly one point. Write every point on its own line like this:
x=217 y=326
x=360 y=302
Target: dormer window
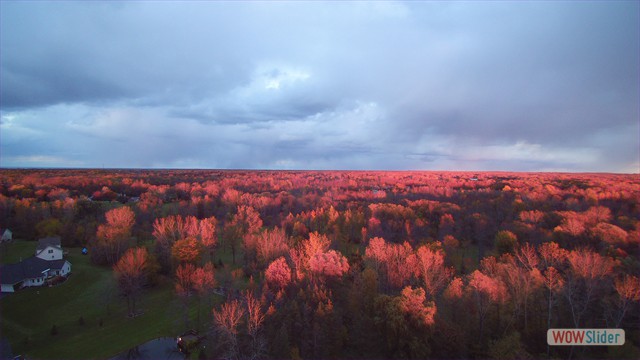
x=50 y=251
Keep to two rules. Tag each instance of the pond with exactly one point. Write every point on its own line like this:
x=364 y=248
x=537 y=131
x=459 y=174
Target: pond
x=156 y=349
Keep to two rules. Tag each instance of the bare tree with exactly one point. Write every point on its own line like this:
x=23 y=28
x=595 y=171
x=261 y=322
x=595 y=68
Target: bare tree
x=255 y=318
x=227 y=320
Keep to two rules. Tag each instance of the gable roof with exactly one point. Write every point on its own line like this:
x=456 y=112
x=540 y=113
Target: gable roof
x=49 y=241
x=29 y=268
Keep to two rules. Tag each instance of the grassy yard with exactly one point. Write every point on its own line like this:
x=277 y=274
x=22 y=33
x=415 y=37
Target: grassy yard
x=17 y=250
x=90 y=292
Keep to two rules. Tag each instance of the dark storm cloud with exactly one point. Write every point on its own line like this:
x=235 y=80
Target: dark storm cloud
x=380 y=85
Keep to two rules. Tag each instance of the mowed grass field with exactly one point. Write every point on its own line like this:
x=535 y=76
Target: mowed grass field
x=28 y=315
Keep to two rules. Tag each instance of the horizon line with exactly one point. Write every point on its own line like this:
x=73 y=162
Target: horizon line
x=313 y=170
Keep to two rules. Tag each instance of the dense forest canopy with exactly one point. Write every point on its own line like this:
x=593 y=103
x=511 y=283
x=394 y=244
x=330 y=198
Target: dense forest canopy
x=328 y=264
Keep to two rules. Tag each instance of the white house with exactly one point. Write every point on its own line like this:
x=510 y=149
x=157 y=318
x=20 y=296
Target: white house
x=36 y=270
x=7 y=235
x=49 y=248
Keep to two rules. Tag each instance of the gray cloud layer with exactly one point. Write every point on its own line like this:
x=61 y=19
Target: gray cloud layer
x=380 y=85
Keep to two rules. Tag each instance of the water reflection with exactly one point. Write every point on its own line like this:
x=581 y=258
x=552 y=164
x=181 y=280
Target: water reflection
x=157 y=349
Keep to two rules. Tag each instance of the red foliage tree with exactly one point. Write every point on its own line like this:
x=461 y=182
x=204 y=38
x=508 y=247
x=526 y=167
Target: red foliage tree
x=628 y=290
x=227 y=320
x=552 y=255
x=485 y=291
x=112 y=238
x=397 y=262
x=131 y=274
x=588 y=269
x=278 y=274
x=255 y=319
x=185 y=279
x=208 y=235
x=430 y=266
x=240 y=230
x=572 y=223
x=610 y=234
x=204 y=280
x=328 y=264
x=532 y=217
x=270 y=245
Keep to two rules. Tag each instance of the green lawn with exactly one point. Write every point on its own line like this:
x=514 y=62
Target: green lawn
x=17 y=250
x=28 y=315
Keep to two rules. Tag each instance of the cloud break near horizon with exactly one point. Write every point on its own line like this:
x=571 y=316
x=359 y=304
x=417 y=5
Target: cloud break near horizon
x=518 y=86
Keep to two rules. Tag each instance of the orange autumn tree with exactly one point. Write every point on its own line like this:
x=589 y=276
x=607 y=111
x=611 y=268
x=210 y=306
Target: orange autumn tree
x=186 y=250
x=194 y=236
x=413 y=303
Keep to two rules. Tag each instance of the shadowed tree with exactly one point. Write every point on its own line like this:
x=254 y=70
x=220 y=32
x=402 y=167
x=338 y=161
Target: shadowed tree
x=185 y=283
x=485 y=291
x=204 y=282
x=553 y=282
x=505 y=242
x=242 y=226
x=167 y=231
x=588 y=270
x=628 y=291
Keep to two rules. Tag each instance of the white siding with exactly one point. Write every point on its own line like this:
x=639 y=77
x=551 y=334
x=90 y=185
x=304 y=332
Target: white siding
x=66 y=268
x=34 y=282
x=7 y=288
x=50 y=253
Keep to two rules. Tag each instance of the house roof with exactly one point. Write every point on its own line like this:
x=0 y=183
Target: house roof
x=49 y=241
x=29 y=268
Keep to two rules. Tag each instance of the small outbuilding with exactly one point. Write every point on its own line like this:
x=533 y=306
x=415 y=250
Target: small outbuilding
x=7 y=235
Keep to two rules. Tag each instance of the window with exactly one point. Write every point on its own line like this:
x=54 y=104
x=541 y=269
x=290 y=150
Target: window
x=50 y=251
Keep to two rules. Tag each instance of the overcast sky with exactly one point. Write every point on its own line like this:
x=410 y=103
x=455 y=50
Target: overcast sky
x=525 y=86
